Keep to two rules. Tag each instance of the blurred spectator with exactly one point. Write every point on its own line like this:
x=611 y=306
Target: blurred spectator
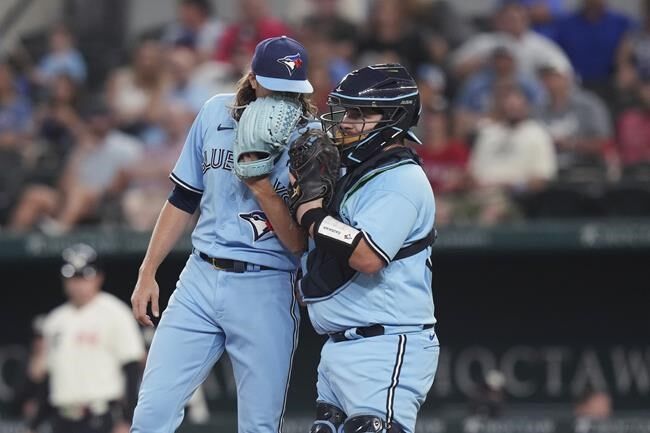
x=389 y=39
x=634 y=130
x=15 y=112
x=219 y=77
x=210 y=76
x=489 y=398
x=325 y=20
x=591 y=37
x=320 y=77
x=593 y=405
x=577 y=120
x=442 y=29
x=195 y=28
x=63 y=58
x=101 y=152
x=511 y=155
x=15 y=128
x=185 y=88
x=146 y=179
x=57 y=123
x=135 y=93
x=34 y=391
x=91 y=336
x=633 y=59
x=444 y=160
x=255 y=24
x=474 y=100
x=441 y=18
x=21 y=65
x=512 y=28
x=330 y=38
x=544 y=15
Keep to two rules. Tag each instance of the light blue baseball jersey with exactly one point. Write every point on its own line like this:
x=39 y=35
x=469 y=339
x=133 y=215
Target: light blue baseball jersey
x=394 y=208
x=210 y=311
x=231 y=224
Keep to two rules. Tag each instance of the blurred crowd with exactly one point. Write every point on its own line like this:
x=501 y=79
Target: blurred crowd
x=533 y=111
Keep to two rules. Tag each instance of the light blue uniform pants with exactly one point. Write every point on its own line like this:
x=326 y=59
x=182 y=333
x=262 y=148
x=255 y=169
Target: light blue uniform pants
x=388 y=376
x=253 y=316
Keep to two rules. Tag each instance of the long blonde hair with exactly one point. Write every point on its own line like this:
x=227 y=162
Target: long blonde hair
x=246 y=94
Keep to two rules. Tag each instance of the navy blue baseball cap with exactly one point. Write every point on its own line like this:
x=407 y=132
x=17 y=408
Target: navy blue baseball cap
x=280 y=64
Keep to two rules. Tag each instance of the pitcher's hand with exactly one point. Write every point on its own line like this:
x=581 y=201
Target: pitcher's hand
x=146 y=290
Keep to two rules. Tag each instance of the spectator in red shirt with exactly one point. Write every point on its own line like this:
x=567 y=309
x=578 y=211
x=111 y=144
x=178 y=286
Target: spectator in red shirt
x=255 y=25
x=633 y=60
x=444 y=159
x=634 y=130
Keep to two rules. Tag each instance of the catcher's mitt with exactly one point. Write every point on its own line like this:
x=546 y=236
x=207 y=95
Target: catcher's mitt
x=314 y=162
x=263 y=130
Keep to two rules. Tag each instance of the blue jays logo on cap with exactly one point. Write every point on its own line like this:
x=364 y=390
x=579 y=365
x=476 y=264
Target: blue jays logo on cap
x=259 y=223
x=291 y=62
x=274 y=58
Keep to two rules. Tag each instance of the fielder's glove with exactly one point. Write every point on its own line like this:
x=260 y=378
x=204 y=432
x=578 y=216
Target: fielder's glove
x=263 y=129
x=314 y=162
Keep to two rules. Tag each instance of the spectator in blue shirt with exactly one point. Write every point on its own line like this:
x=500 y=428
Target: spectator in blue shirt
x=512 y=28
x=544 y=15
x=62 y=59
x=577 y=120
x=591 y=37
x=15 y=111
x=15 y=122
x=475 y=99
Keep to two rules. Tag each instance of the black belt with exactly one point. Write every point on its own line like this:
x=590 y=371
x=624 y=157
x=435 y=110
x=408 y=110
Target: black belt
x=365 y=332
x=229 y=265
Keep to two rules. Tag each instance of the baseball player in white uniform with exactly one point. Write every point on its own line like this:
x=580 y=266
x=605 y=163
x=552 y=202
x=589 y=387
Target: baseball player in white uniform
x=94 y=351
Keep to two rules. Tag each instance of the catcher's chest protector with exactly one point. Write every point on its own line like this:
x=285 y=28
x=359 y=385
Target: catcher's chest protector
x=326 y=273
x=347 y=184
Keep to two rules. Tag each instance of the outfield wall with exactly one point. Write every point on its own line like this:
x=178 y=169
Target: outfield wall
x=557 y=308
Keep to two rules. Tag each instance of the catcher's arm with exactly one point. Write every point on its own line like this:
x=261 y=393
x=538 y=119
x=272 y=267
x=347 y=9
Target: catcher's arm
x=362 y=258
x=314 y=167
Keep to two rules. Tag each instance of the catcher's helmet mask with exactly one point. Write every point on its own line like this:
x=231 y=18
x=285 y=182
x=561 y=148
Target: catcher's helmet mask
x=387 y=89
